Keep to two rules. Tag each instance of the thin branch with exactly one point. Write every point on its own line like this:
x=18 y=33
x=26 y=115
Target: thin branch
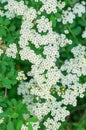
x=5 y=94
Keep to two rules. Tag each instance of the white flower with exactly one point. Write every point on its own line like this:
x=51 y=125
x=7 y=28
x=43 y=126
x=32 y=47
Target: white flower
x=61 y=4
x=79 y=9
x=24 y=127
x=21 y=76
x=79 y=50
x=49 y=6
x=43 y=24
x=12 y=50
x=67 y=16
x=66 y=31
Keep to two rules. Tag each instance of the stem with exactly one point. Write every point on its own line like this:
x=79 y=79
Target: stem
x=71 y=31
x=5 y=94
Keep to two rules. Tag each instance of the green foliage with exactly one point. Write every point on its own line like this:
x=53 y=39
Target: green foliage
x=8 y=72
x=13 y=113
x=10 y=125
x=10 y=29
x=30 y=127
x=33 y=119
x=53 y=20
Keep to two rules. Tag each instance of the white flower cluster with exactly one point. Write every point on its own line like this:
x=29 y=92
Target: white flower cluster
x=41 y=109
x=44 y=71
x=25 y=126
x=76 y=65
x=11 y=51
x=50 y=6
x=43 y=24
x=75 y=68
x=70 y=14
x=2 y=119
x=79 y=9
x=21 y=76
x=64 y=41
x=84 y=34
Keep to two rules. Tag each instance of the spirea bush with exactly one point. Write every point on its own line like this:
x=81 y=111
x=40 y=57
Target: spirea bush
x=42 y=62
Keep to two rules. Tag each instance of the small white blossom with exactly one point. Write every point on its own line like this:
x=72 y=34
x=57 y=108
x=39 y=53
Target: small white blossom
x=12 y=50
x=79 y=9
x=21 y=76
x=43 y=24
x=67 y=16
x=24 y=127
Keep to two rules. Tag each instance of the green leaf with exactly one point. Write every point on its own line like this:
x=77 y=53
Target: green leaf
x=19 y=125
x=14 y=115
x=10 y=125
x=3 y=115
x=12 y=28
x=33 y=119
x=52 y=18
x=7 y=83
x=2 y=31
x=30 y=127
x=81 y=22
x=6 y=22
x=77 y=30
x=58 y=15
x=69 y=2
x=1 y=20
x=9 y=38
x=73 y=25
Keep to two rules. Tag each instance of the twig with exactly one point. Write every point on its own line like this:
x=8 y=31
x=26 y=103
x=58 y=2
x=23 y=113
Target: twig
x=5 y=92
